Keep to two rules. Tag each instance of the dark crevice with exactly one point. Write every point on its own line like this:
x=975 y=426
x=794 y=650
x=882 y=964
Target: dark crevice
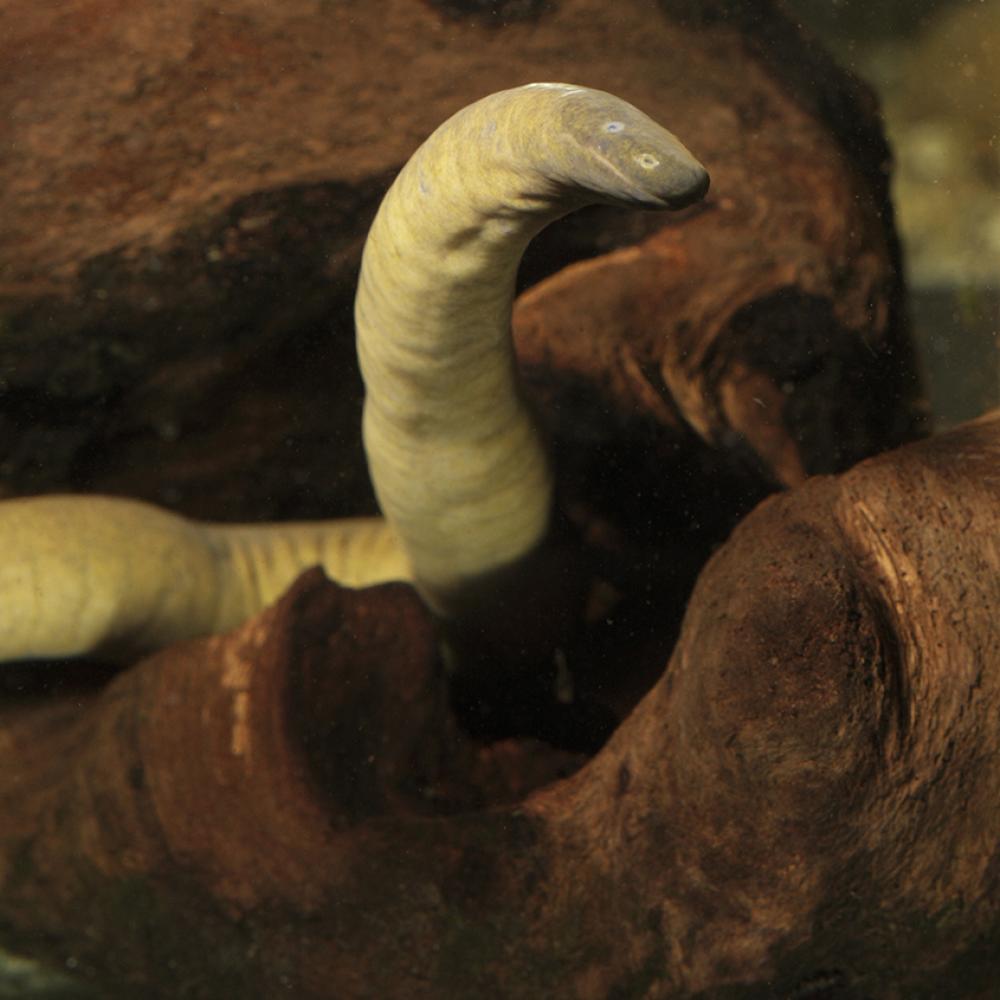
x=493 y=13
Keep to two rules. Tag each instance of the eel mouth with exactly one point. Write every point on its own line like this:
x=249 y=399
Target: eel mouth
x=683 y=187
x=695 y=189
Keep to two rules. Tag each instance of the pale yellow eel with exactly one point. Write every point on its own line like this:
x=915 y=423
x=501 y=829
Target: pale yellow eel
x=459 y=467
x=113 y=578
x=460 y=470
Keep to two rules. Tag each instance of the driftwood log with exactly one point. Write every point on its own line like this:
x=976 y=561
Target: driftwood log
x=805 y=804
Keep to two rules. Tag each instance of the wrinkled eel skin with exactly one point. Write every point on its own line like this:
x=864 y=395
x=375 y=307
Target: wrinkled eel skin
x=459 y=467
x=113 y=578
x=460 y=470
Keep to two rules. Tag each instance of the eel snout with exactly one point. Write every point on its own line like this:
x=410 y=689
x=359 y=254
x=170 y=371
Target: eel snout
x=649 y=168
x=612 y=152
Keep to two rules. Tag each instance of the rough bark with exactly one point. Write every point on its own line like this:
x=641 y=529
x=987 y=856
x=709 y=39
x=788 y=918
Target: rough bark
x=804 y=804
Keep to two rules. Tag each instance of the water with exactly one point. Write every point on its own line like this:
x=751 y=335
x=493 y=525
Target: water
x=934 y=66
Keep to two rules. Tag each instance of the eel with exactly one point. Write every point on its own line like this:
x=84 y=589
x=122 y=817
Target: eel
x=458 y=464
x=460 y=469
x=111 y=578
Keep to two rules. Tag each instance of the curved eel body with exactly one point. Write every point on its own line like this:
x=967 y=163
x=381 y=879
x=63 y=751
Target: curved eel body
x=459 y=467
x=113 y=578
